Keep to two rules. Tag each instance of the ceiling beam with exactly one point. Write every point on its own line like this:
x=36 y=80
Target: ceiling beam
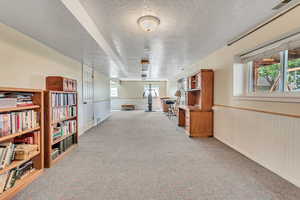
x=78 y=11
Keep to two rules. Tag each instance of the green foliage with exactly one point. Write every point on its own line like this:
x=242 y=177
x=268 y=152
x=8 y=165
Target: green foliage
x=294 y=63
x=270 y=73
x=294 y=77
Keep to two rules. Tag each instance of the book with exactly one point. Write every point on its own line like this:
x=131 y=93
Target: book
x=30 y=138
x=63 y=99
x=8 y=150
x=16 y=99
x=16 y=122
x=64 y=128
x=8 y=102
x=61 y=113
x=3 y=181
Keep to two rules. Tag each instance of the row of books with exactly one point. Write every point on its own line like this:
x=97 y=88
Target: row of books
x=29 y=138
x=64 y=128
x=61 y=113
x=9 y=179
x=16 y=122
x=63 y=146
x=14 y=99
x=61 y=99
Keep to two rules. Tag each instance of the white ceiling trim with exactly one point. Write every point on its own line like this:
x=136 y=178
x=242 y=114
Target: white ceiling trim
x=76 y=8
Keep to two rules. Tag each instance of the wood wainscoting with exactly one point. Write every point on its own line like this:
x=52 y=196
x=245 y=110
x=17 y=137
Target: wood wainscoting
x=271 y=139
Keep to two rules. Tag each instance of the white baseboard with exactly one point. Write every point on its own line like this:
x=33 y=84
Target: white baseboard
x=95 y=124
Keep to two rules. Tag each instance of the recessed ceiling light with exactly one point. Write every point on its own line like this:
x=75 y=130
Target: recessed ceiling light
x=148 y=23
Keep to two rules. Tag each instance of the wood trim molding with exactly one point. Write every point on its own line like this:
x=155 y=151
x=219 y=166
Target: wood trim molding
x=260 y=111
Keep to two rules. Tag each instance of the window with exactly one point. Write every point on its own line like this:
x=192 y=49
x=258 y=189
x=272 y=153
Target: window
x=266 y=74
x=154 y=91
x=277 y=73
x=293 y=71
x=114 y=92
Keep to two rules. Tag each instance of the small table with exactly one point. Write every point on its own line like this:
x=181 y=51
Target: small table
x=128 y=107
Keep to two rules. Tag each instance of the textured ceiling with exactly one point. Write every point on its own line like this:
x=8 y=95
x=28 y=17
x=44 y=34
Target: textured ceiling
x=189 y=30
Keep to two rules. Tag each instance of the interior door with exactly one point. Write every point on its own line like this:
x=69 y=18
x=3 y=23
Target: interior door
x=88 y=96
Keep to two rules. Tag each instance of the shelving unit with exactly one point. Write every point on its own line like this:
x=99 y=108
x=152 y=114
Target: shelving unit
x=50 y=123
x=37 y=157
x=197 y=115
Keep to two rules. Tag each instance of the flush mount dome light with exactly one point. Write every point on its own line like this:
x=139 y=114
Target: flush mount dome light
x=148 y=23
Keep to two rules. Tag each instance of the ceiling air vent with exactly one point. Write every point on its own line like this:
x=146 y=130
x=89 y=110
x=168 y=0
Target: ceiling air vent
x=281 y=4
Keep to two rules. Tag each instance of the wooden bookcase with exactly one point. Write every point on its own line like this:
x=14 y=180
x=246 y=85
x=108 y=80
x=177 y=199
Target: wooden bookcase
x=50 y=123
x=36 y=157
x=197 y=115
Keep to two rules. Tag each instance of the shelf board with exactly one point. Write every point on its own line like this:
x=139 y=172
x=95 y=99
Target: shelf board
x=52 y=91
x=4 y=89
x=19 y=108
x=63 y=154
x=64 y=106
x=62 y=138
x=17 y=163
x=66 y=119
x=20 y=184
x=193 y=90
x=7 y=137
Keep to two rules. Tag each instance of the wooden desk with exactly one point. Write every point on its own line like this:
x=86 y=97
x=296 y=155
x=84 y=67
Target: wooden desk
x=165 y=107
x=197 y=123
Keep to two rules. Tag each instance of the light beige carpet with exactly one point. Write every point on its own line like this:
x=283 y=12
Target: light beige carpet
x=144 y=156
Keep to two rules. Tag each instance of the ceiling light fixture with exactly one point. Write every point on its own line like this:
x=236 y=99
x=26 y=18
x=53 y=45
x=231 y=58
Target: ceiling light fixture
x=148 y=23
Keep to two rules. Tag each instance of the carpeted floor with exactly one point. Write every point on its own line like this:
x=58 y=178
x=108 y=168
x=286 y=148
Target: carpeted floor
x=144 y=156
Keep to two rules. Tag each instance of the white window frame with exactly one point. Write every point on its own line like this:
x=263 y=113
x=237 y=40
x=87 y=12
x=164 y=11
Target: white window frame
x=280 y=96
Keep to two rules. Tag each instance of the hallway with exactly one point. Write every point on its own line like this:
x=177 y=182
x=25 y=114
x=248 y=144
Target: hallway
x=144 y=156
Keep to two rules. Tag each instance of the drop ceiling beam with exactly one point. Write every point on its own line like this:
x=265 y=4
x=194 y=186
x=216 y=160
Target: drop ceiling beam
x=78 y=11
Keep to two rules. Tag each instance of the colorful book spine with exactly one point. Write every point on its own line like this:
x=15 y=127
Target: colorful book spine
x=64 y=129
x=16 y=122
x=62 y=99
x=61 y=113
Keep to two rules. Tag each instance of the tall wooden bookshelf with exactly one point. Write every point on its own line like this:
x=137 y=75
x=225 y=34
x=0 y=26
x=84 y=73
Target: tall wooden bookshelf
x=197 y=115
x=61 y=119
x=36 y=156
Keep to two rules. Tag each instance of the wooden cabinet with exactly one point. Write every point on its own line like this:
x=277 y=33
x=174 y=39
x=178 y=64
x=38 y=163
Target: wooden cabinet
x=58 y=83
x=197 y=123
x=197 y=116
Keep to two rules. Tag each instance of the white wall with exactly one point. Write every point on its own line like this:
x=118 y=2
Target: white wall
x=271 y=140
x=268 y=139
x=131 y=92
x=25 y=63
x=172 y=88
